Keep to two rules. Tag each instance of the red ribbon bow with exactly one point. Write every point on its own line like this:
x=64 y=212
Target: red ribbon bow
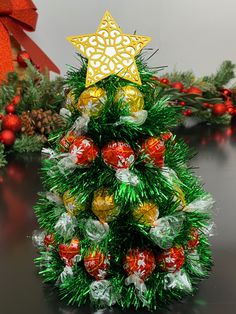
x=15 y=17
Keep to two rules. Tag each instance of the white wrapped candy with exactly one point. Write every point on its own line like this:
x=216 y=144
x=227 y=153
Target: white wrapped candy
x=178 y=280
x=67 y=272
x=137 y=118
x=67 y=164
x=126 y=176
x=54 y=198
x=102 y=290
x=166 y=230
x=194 y=260
x=95 y=230
x=38 y=238
x=140 y=287
x=65 y=113
x=80 y=125
x=201 y=205
x=66 y=225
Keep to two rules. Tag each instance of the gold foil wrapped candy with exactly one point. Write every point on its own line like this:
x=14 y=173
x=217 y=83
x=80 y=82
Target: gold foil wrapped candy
x=146 y=213
x=103 y=205
x=179 y=195
x=92 y=101
x=72 y=204
x=130 y=96
x=70 y=101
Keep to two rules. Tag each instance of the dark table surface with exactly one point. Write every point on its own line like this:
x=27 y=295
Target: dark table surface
x=22 y=291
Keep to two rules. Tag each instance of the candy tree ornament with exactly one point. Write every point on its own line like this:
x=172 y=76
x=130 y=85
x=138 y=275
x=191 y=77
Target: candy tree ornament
x=141 y=199
x=139 y=265
x=153 y=149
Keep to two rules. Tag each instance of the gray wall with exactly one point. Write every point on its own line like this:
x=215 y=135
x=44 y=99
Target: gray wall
x=191 y=34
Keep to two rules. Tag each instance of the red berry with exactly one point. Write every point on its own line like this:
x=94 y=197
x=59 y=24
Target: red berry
x=187 y=112
x=22 y=56
x=219 y=109
x=7 y=137
x=11 y=122
x=182 y=103
x=178 y=85
x=194 y=91
x=226 y=92
x=15 y=101
x=165 y=81
x=10 y=108
x=155 y=78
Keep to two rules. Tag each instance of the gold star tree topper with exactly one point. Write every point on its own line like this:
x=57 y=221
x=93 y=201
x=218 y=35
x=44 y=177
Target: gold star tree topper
x=109 y=51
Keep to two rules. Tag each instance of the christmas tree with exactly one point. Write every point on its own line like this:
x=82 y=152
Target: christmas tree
x=124 y=220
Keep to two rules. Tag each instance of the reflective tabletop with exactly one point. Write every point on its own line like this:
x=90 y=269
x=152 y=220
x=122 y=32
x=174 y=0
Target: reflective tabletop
x=22 y=291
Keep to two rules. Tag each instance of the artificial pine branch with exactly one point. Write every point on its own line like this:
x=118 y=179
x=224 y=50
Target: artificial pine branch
x=3 y=161
x=223 y=76
x=28 y=144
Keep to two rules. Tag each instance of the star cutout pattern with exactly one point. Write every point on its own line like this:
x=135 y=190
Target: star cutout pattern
x=109 y=51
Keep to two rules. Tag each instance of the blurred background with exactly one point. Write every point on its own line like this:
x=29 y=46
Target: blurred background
x=190 y=34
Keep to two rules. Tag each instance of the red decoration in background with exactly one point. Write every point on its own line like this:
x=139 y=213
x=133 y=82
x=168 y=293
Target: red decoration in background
x=140 y=262
x=182 y=103
x=178 y=85
x=22 y=56
x=219 y=109
x=7 y=137
x=194 y=90
x=154 y=150
x=164 y=81
x=155 y=78
x=15 y=101
x=96 y=264
x=11 y=122
x=188 y=112
x=68 y=252
x=118 y=155
x=207 y=105
x=171 y=260
x=10 y=108
x=226 y=93
x=85 y=150
x=16 y=16
x=193 y=239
